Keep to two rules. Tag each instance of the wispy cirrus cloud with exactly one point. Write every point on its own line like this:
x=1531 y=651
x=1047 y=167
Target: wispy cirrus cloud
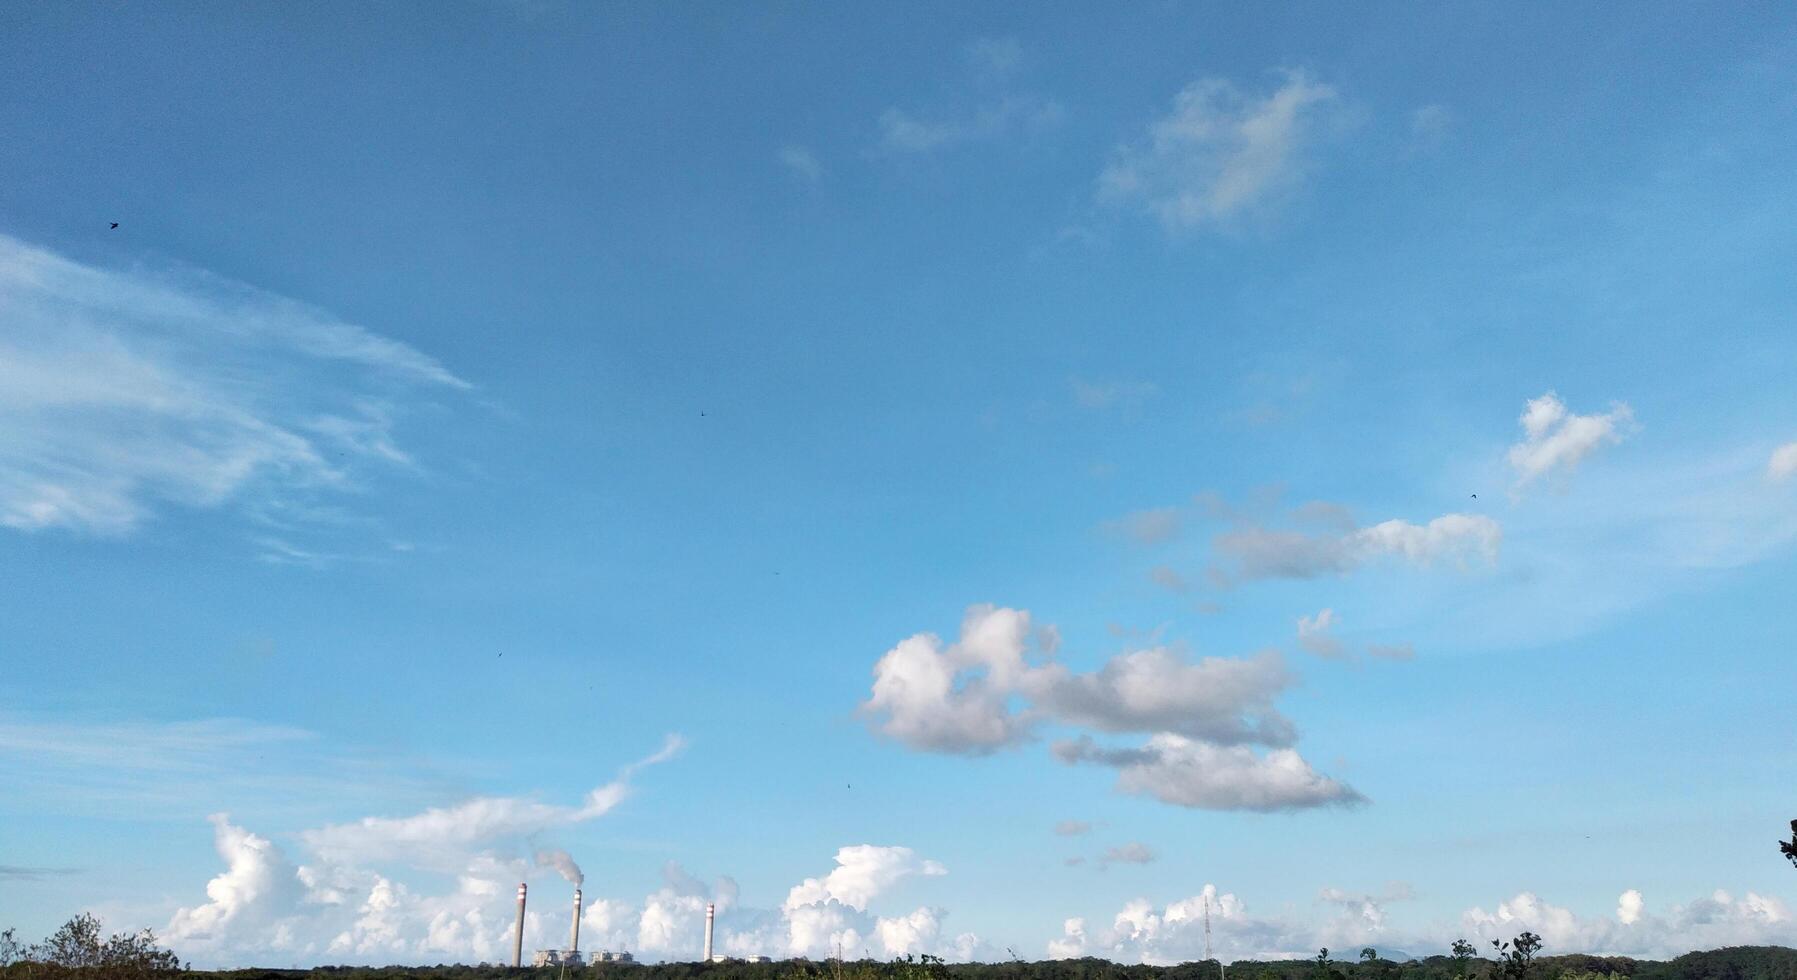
x=992 y=108
x=1783 y=462
x=801 y=161
x=125 y=392
x=1219 y=153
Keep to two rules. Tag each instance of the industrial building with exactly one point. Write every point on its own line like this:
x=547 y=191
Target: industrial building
x=556 y=957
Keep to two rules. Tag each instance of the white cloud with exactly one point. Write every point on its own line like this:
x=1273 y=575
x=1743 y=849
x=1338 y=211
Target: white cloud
x=1142 y=932
x=1218 y=699
x=167 y=769
x=997 y=111
x=1710 y=922
x=1783 y=462
x=982 y=693
x=336 y=907
x=1555 y=439
x=1314 y=635
x=1165 y=577
x=257 y=878
x=1219 y=152
x=122 y=392
x=1185 y=772
x=1073 y=828
x=444 y=836
x=1392 y=651
x=1152 y=526
x=1254 y=551
x=955 y=698
x=1367 y=908
x=800 y=160
x=903 y=132
x=1134 y=852
x=861 y=872
x=1629 y=906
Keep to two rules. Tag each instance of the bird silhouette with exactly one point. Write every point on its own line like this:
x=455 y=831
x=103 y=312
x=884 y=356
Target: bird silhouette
x=1475 y=496
x=115 y=224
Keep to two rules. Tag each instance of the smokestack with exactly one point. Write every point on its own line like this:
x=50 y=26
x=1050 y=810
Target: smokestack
x=574 y=939
x=518 y=943
x=711 y=911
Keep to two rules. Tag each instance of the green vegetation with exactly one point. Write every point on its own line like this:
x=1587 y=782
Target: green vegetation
x=77 y=952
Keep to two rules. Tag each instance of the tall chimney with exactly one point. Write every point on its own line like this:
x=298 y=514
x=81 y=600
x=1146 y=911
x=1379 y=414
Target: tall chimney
x=574 y=939
x=711 y=911
x=518 y=942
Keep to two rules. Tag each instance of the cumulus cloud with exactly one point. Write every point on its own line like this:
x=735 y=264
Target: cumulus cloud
x=1143 y=932
x=1314 y=635
x=1629 y=906
x=983 y=693
x=1783 y=462
x=861 y=872
x=1073 y=828
x=1219 y=153
x=1367 y=907
x=258 y=880
x=1719 y=919
x=1190 y=773
x=1254 y=551
x=955 y=698
x=959 y=698
x=1219 y=699
x=335 y=906
x=1555 y=439
x=820 y=917
x=126 y=392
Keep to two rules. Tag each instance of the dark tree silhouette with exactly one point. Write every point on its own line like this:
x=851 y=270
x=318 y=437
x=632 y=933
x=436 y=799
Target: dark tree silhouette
x=1789 y=848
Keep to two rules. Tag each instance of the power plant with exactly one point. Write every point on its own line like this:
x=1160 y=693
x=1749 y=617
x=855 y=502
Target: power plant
x=574 y=937
x=571 y=956
x=518 y=942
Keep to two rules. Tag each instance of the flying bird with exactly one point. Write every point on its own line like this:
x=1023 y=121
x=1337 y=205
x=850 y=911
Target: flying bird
x=115 y=224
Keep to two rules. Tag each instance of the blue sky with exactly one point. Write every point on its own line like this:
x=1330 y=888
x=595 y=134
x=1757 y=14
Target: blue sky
x=931 y=479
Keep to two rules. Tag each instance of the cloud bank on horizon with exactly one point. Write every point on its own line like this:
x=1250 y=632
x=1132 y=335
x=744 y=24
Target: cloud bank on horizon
x=144 y=403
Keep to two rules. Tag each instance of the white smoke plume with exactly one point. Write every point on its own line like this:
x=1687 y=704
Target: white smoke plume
x=563 y=863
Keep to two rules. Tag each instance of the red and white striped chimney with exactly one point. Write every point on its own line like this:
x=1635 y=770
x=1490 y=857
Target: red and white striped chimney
x=518 y=942
x=574 y=938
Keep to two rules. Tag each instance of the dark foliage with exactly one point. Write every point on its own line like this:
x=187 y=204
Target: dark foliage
x=77 y=952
